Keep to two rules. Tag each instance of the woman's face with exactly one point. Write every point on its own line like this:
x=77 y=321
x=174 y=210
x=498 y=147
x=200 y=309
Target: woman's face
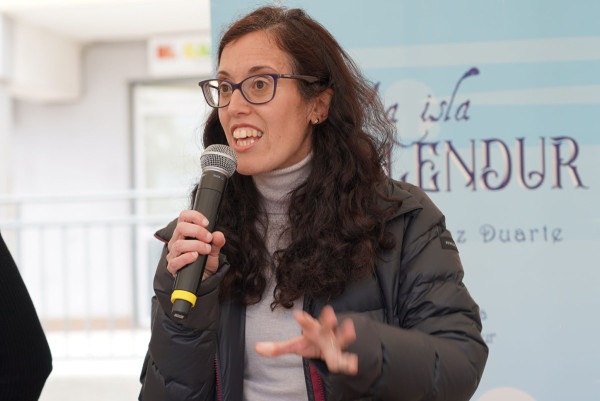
x=268 y=136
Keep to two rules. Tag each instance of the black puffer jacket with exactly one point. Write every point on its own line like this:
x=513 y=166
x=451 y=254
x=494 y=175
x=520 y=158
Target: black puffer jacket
x=418 y=329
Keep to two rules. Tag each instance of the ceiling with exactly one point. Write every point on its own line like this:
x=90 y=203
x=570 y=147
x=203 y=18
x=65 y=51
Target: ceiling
x=89 y=21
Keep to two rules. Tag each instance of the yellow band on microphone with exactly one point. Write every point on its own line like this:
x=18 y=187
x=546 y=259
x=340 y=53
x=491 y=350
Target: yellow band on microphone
x=185 y=295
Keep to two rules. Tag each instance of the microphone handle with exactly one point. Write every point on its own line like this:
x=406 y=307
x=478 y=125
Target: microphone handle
x=188 y=279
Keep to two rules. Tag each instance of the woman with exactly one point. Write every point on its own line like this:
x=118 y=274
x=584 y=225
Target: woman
x=325 y=279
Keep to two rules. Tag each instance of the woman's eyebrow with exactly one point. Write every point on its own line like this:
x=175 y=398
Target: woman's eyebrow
x=251 y=71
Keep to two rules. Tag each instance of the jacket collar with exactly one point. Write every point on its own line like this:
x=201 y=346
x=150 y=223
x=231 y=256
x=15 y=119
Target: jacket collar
x=400 y=192
x=165 y=233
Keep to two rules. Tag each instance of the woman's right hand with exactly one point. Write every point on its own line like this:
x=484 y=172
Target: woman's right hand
x=190 y=239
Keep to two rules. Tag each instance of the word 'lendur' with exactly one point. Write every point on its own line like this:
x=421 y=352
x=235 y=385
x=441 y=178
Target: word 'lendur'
x=488 y=164
x=495 y=165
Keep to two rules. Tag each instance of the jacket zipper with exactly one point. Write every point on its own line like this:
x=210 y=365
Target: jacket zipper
x=315 y=378
x=317 y=384
x=219 y=397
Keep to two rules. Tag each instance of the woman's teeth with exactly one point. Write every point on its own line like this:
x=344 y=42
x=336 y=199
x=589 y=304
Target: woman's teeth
x=242 y=142
x=246 y=136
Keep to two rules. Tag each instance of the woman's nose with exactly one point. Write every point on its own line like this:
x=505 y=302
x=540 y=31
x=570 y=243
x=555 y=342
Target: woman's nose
x=237 y=103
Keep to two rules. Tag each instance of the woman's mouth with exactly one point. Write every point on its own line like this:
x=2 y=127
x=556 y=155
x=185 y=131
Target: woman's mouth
x=245 y=136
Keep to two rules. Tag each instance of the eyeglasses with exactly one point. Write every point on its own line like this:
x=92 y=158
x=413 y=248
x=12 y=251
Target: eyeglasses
x=256 y=89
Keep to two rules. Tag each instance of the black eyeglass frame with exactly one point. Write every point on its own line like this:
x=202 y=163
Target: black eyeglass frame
x=234 y=86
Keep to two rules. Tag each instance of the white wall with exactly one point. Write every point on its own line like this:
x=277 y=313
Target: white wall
x=45 y=66
x=84 y=145
x=5 y=102
x=79 y=147
x=5 y=134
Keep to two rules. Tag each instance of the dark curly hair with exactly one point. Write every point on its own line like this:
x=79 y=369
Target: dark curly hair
x=336 y=226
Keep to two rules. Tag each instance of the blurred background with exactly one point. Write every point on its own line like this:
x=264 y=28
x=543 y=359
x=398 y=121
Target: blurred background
x=100 y=116
x=496 y=104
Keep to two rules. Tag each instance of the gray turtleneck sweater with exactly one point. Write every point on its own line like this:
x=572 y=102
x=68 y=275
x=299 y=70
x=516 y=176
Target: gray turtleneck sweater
x=280 y=378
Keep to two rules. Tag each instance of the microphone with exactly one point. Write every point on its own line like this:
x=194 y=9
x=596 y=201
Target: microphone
x=218 y=165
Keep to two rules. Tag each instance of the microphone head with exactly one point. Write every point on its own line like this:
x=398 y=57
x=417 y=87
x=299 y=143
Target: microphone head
x=220 y=157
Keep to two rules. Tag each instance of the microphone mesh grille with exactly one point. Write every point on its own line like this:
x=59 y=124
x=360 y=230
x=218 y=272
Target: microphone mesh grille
x=219 y=156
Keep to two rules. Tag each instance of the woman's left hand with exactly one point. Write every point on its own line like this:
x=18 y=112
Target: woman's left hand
x=323 y=339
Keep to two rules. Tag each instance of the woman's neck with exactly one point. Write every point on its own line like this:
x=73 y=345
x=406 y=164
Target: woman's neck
x=276 y=186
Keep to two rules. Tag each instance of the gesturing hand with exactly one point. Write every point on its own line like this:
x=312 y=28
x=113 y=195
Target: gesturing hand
x=322 y=338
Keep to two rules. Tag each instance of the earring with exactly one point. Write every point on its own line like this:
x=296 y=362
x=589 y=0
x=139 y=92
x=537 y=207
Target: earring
x=316 y=121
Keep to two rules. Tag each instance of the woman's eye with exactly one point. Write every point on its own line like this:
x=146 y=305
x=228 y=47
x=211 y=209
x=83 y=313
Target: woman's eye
x=260 y=84
x=224 y=88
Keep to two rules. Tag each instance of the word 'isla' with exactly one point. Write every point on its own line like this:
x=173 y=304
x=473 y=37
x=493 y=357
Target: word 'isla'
x=445 y=107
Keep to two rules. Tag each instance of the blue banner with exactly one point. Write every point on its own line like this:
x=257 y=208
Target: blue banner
x=496 y=104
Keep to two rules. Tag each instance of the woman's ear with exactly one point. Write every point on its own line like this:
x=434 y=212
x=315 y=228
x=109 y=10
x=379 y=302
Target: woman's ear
x=321 y=105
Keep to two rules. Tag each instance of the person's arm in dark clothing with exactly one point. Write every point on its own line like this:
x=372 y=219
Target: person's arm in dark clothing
x=25 y=359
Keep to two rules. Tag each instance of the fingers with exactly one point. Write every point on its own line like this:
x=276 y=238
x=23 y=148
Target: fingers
x=212 y=263
x=218 y=241
x=326 y=329
x=193 y=216
x=190 y=239
x=327 y=318
x=296 y=345
x=174 y=264
x=345 y=362
x=330 y=340
x=191 y=224
x=346 y=333
x=267 y=348
x=336 y=359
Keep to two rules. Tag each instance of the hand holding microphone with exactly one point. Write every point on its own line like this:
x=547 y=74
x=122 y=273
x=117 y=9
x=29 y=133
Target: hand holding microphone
x=183 y=250
x=193 y=247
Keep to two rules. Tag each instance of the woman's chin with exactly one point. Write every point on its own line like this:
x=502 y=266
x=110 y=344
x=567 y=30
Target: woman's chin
x=245 y=168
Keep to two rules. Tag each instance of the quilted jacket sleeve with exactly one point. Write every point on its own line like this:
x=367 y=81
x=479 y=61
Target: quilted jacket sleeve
x=434 y=351
x=438 y=352
x=180 y=364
